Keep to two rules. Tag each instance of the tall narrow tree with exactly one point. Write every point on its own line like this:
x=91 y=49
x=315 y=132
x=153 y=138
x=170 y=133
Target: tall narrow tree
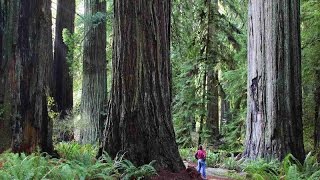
x=212 y=77
x=274 y=125
x=139 y=119
x=94 y=71
x=4 y=138
x=317 y=113
x=203 y=106
x=27 y=53
x=62 y=75
x=2 y=25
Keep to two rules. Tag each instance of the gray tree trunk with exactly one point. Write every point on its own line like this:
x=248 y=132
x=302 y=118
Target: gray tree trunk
x=94 y=83
x=27 y=53
x=274 y=125
x=212 y=77
x=139 y=120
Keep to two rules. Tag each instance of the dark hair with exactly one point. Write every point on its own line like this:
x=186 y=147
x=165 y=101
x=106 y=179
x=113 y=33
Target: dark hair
x=200 y=147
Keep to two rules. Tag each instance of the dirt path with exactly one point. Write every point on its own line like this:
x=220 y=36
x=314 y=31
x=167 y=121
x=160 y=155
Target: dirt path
x=212 y=173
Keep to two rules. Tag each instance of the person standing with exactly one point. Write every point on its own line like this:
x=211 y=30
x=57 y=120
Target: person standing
x=201 y=156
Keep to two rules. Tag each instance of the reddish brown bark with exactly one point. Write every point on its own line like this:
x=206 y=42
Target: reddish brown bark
x=139 y=120
x=28 y=51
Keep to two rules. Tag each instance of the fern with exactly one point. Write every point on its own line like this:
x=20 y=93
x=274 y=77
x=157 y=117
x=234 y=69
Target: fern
x=213 y=159
x=289 y=169
x=293 y=173
x=260 y=168
x=24 y=167
x=289 y=161
x=310 y=165
x=71 y=166
x=132 y=172
x=231 y=163
x=74 y=151
x=315 y=176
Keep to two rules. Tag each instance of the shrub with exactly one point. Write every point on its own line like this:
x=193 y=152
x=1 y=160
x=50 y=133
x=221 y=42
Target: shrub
x=213 y=159
x=187 y=154
x=231 y=163
x=184 y=153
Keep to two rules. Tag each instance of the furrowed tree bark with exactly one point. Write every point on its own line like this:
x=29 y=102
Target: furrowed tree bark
x=274 y=125
x=212 y=77
x=27 y=48
x=94 y=83
x=62 y=75
x=139 y=120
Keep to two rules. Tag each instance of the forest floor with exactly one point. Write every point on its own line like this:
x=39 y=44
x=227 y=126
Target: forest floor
x=190 y=173
x=212 y=173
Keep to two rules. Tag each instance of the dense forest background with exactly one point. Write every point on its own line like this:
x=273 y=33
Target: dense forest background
x=229 y=61
x=189 y=59
x=152 y=79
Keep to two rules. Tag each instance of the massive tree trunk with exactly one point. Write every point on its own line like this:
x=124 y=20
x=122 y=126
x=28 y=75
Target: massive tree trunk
x=94 y=72
x=27 y=48
x=212 y=78
x=139 y=120
x=317 y=113
x=62 y=75
x=274 y=125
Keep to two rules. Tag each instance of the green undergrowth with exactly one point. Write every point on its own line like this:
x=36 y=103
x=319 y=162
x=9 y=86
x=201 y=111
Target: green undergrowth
x=260 y=169
x=221 y=159
x=288 y=169
x=76 y=162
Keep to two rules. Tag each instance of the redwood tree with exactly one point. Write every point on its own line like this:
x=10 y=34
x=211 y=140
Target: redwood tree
x=5 y=132
x=27 y=52
x=94 y=71
x=62 y=75
x=212 y=76
x=139 y=120
x=274 y=125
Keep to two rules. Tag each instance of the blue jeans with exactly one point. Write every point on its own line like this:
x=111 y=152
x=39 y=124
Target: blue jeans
x=202 y=167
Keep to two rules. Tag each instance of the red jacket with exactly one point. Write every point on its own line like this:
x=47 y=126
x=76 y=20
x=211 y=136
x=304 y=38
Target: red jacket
x=201 y=154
